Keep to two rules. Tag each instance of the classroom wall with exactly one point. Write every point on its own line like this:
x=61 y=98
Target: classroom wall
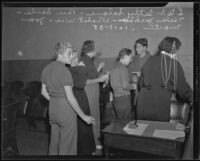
x=28 y=70
x=29 y=34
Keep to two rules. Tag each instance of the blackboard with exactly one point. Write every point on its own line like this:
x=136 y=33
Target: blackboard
x=32 y=32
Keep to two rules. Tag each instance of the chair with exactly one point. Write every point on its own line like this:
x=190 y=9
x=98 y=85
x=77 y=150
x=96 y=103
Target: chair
x=16 y=92
x=9 y=128
x=179 y=112
x=37 y=105
x=182 y=113
x=16 y=88
x=5 y=92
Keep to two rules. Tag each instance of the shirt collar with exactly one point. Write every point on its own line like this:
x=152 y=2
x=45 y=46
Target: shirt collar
x=170 y=55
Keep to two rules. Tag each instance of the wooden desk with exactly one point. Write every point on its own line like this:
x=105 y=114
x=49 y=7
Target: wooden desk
x=115 y=137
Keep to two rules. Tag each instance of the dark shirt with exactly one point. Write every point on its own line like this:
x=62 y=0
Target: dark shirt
x=91 y=69
x=154 y=97
x=79 y=74
x=152 y=75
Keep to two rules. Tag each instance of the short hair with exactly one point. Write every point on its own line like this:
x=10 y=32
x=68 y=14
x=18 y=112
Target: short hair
x=142 y=41
x=61 y=47
x=167 y=44
x=123 y=52
x=88 y=46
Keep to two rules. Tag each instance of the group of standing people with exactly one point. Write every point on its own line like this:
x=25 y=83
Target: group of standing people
x=143 y=87
x=70 y=83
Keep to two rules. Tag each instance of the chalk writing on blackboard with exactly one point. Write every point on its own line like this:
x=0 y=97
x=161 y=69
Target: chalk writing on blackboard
x=108 y=19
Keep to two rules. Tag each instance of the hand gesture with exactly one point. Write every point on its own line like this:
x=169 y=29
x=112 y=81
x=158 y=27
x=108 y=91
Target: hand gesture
x=81 y=63
x=74 y=62
x=89 y=119
x=103 y=78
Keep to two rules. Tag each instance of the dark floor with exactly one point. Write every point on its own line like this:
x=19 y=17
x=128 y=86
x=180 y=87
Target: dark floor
x=34 y=142
x=31 y=141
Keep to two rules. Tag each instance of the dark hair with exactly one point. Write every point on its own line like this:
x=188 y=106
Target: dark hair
x=167 y=44
x=123 y=52
x=142 y=41
x=88 y=46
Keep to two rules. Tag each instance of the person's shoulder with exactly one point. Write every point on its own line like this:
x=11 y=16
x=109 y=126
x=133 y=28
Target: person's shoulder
x=136 y=57
x=151 y=59
x=81 y=68
x=118 y=65
x=48 y=66
x=115 y=68
x=123 y=68
x=85 y=58
x=59 y=67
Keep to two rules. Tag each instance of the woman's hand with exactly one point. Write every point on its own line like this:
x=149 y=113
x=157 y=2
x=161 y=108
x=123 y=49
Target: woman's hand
x=103 y=78
x=89 y=119
x=81 y=63
x=74 y=62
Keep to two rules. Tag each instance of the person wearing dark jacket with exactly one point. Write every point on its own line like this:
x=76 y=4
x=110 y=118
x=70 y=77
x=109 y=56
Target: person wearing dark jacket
x=161 y=76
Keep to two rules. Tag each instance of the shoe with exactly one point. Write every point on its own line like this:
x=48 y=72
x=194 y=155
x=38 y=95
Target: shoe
x=99 y=147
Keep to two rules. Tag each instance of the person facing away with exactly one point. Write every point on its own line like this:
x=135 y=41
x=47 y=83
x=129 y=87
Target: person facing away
x=119 y=80
x=57 y=86
x=86 y=143
x=161 y=76
x=88 y=53
x=142 y=55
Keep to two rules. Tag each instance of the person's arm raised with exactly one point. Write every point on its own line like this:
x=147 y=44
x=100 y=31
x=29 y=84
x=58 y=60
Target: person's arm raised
x=102 y=78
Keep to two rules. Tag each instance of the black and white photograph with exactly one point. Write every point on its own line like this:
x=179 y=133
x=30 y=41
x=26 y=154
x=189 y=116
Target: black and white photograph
x=100 y=80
